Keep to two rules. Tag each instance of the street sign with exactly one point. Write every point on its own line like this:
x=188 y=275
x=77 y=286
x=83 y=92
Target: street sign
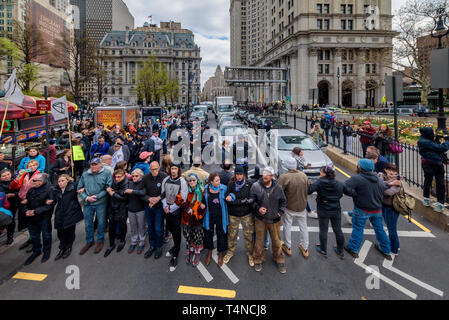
x=439 y=69
x=399 y=88
x=43 y=105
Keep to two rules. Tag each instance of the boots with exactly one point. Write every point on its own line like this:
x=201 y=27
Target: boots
x=208 y=257
x=220 y=259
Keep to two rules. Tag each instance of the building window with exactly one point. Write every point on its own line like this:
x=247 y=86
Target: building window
x=343 y=24
x=320 y=69
x=326 y=9
x=320 y=24
x=319 y=8
x=326 y=68
x=343 y=9
x=327 y=24
x=350 y=25
x=350 y=8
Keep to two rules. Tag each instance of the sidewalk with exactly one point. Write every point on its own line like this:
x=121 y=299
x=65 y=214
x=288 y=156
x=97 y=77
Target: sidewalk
x=349 y=162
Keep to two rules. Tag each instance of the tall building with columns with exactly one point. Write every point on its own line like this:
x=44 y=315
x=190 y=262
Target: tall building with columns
x=343 y=48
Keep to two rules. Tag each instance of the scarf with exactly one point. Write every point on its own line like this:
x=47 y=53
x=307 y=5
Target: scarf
x=239 y=185
x=198 y=191
x=214 y=188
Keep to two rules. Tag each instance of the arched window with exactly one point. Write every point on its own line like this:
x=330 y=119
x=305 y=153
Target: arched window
x=112 y=90
x=105 y=90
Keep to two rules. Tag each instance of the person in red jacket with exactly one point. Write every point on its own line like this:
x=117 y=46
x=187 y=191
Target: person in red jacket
x=366 y=133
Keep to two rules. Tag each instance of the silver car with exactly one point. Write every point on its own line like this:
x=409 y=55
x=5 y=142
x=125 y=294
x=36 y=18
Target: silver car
x=313 y=154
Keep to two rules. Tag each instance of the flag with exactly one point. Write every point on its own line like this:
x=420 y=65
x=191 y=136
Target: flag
x=12 y=90
x=59 y=108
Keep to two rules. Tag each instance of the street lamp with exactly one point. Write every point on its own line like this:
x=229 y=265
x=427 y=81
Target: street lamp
x=338 y=82
x=440 y=31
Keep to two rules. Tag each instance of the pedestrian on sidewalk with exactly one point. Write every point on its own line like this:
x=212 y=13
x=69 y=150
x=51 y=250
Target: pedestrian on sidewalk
x=13 y=199
x=389 y=214
x=117 y=210
x=67 y=214
x=136 y=194
x=294 y=183
x=348 y=133
x=329 y=191
x=216 y=219
x=39 y=214
x=366 y=133
x=92 y=190
x=433 y=152
x=193 y=211
x=369 y=190
x=269 y=203
x=238 y=198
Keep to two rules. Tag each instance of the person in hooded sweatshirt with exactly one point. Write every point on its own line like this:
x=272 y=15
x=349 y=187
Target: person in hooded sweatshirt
x=369 y=190
x=329 y=192
x=432 y=154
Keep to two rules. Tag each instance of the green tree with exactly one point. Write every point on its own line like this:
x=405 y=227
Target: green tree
x=152 y=81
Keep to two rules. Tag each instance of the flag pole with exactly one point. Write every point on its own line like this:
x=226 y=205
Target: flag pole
x=4 y=118
x=70 y=141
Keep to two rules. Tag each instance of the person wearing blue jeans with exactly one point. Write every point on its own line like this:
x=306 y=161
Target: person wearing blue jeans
x=155 y=224
x=391 y=220
x=93 y=189
x=369 y=190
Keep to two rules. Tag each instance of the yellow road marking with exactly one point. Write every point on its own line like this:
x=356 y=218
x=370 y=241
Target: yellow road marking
x=30 y=276
x=207 y=292
x=343 y=173
x=419 y=225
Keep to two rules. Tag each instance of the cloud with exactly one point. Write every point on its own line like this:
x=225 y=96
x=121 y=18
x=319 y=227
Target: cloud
x=207 y=19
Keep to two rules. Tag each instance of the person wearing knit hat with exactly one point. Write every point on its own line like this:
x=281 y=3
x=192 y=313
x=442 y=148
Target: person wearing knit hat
x=295 y=184
x=368 y=194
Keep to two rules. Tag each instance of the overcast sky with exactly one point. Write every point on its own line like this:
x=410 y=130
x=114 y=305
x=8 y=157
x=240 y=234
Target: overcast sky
x=208 y=19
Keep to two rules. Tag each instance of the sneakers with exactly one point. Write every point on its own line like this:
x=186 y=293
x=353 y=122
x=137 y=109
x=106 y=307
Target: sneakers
x=251 y=261
x=321 y=251
x=386 y=256
x=281 y=267
x=169 y=253
x=340 y=255
x=140 y=249
x=426 y=202
x=265 y=247
x=173 y=264
x=132 y=248
x=258 y=267
x=286 y=249
x=305 y=253
x=149 y=253
x=31 y=258
x=347 y=217
x=196 y=260
x=158 y=253
x=86 y=247
x=438 y=207
x=227 y=257
x=352 y=253
x=313 y=215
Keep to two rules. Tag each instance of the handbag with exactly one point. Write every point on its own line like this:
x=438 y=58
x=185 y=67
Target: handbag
x=403 y=203
x=395 y=148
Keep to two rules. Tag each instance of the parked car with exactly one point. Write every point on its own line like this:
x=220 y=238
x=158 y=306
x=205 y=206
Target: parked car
x=402 y=112
x=275 y=122
x=202 y=108
x=287 y=139
x=198 y=114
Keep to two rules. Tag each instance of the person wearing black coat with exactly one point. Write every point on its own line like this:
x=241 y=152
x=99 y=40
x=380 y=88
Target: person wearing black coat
x=118 y=211
x=329 y=191
x=12 y=196
x=39 y=209
x=67 y=214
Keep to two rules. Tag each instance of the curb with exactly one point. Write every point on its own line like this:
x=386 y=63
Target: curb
x=441 y=220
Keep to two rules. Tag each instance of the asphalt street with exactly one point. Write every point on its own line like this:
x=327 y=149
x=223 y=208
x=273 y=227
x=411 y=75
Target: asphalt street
x=417 y=273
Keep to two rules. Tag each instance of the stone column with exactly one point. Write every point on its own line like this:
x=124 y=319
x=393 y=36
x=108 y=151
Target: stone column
x=313 y=73
x=360 y=84
x=303 y=74
x=294 y=79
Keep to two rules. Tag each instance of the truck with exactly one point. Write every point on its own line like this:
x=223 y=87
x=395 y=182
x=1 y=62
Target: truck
x=112 y=115
x=224 y=105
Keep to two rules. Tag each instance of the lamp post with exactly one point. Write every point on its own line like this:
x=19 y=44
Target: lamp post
x=440 y=31
x=338 y=89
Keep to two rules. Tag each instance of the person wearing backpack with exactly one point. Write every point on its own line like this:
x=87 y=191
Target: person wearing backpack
x=389 y=214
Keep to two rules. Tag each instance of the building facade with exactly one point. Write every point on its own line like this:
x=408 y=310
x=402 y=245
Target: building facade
x=61 y=5
x=126 y=51
x=339 y=47
x=215 y=86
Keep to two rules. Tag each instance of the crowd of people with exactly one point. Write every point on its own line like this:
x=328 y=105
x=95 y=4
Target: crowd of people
x=128 y=176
